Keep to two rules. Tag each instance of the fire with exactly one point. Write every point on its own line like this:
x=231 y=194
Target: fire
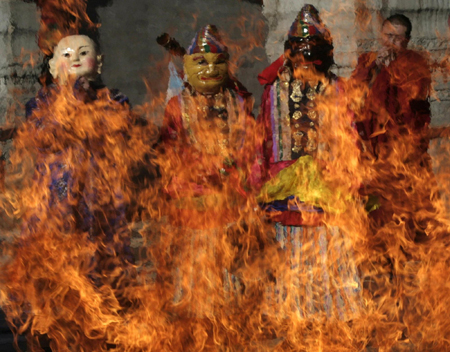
x=55 y=277
x=210 y=274
x=59 y=18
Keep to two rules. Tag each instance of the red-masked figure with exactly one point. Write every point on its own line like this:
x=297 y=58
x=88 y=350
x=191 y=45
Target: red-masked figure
x=302 y=196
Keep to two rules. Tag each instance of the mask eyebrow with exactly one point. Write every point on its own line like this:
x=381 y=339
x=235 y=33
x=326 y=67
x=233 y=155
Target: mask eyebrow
x=196 y=58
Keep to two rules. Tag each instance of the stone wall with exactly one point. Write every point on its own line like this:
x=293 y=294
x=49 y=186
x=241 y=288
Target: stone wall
x=19 y=62
x=18 y=77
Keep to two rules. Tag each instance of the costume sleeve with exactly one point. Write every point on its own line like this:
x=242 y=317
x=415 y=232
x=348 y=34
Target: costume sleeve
x=359 y=82
x=118 y=96
x=264 y=127
x=363 y=72
x=270 y=74
x=412 y=78
x=172 y=123
x=29 y=107
x=41 y=133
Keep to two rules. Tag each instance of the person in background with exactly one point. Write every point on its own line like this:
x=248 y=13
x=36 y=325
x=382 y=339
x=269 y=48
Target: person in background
x=398 y=82
x=394 y=127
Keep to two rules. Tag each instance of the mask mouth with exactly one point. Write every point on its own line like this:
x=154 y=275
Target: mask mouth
x=211 y=78
x=304 y=57
x=300 y=47
x=308 y=63
x=76 y=65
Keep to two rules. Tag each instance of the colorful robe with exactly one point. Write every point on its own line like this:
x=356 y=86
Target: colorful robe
x=320 y=277
x=202 y=138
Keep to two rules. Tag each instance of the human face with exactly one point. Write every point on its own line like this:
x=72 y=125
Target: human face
x=394 y=36
x=75 y=56
x=206 y=72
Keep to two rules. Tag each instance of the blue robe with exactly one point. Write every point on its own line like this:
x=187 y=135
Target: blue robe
x=72 y=197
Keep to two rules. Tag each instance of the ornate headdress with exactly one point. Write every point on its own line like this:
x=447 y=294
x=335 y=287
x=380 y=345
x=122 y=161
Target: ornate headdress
x=309 y=28
x=207 y=40
x=308 y=24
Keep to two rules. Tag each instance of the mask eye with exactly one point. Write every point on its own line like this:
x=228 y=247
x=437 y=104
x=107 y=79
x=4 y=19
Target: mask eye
x=202 y=62
x=84 y=53
x=67 y=55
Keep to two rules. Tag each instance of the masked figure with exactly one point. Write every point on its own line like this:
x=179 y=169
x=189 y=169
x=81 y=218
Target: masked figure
x=202 y=138
x=300 y=109
x=74 y=237
x=65 y=131
x=76 y=59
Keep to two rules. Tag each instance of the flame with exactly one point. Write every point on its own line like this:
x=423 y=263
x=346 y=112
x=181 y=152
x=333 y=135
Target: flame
x=210 y=274
x=55 y=278
x=59 y=19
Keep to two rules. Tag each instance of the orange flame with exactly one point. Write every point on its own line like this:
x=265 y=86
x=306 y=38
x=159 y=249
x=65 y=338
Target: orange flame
x=209 y=269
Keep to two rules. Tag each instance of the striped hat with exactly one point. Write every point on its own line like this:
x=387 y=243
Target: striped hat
x=207 y=40
x=307 y=24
